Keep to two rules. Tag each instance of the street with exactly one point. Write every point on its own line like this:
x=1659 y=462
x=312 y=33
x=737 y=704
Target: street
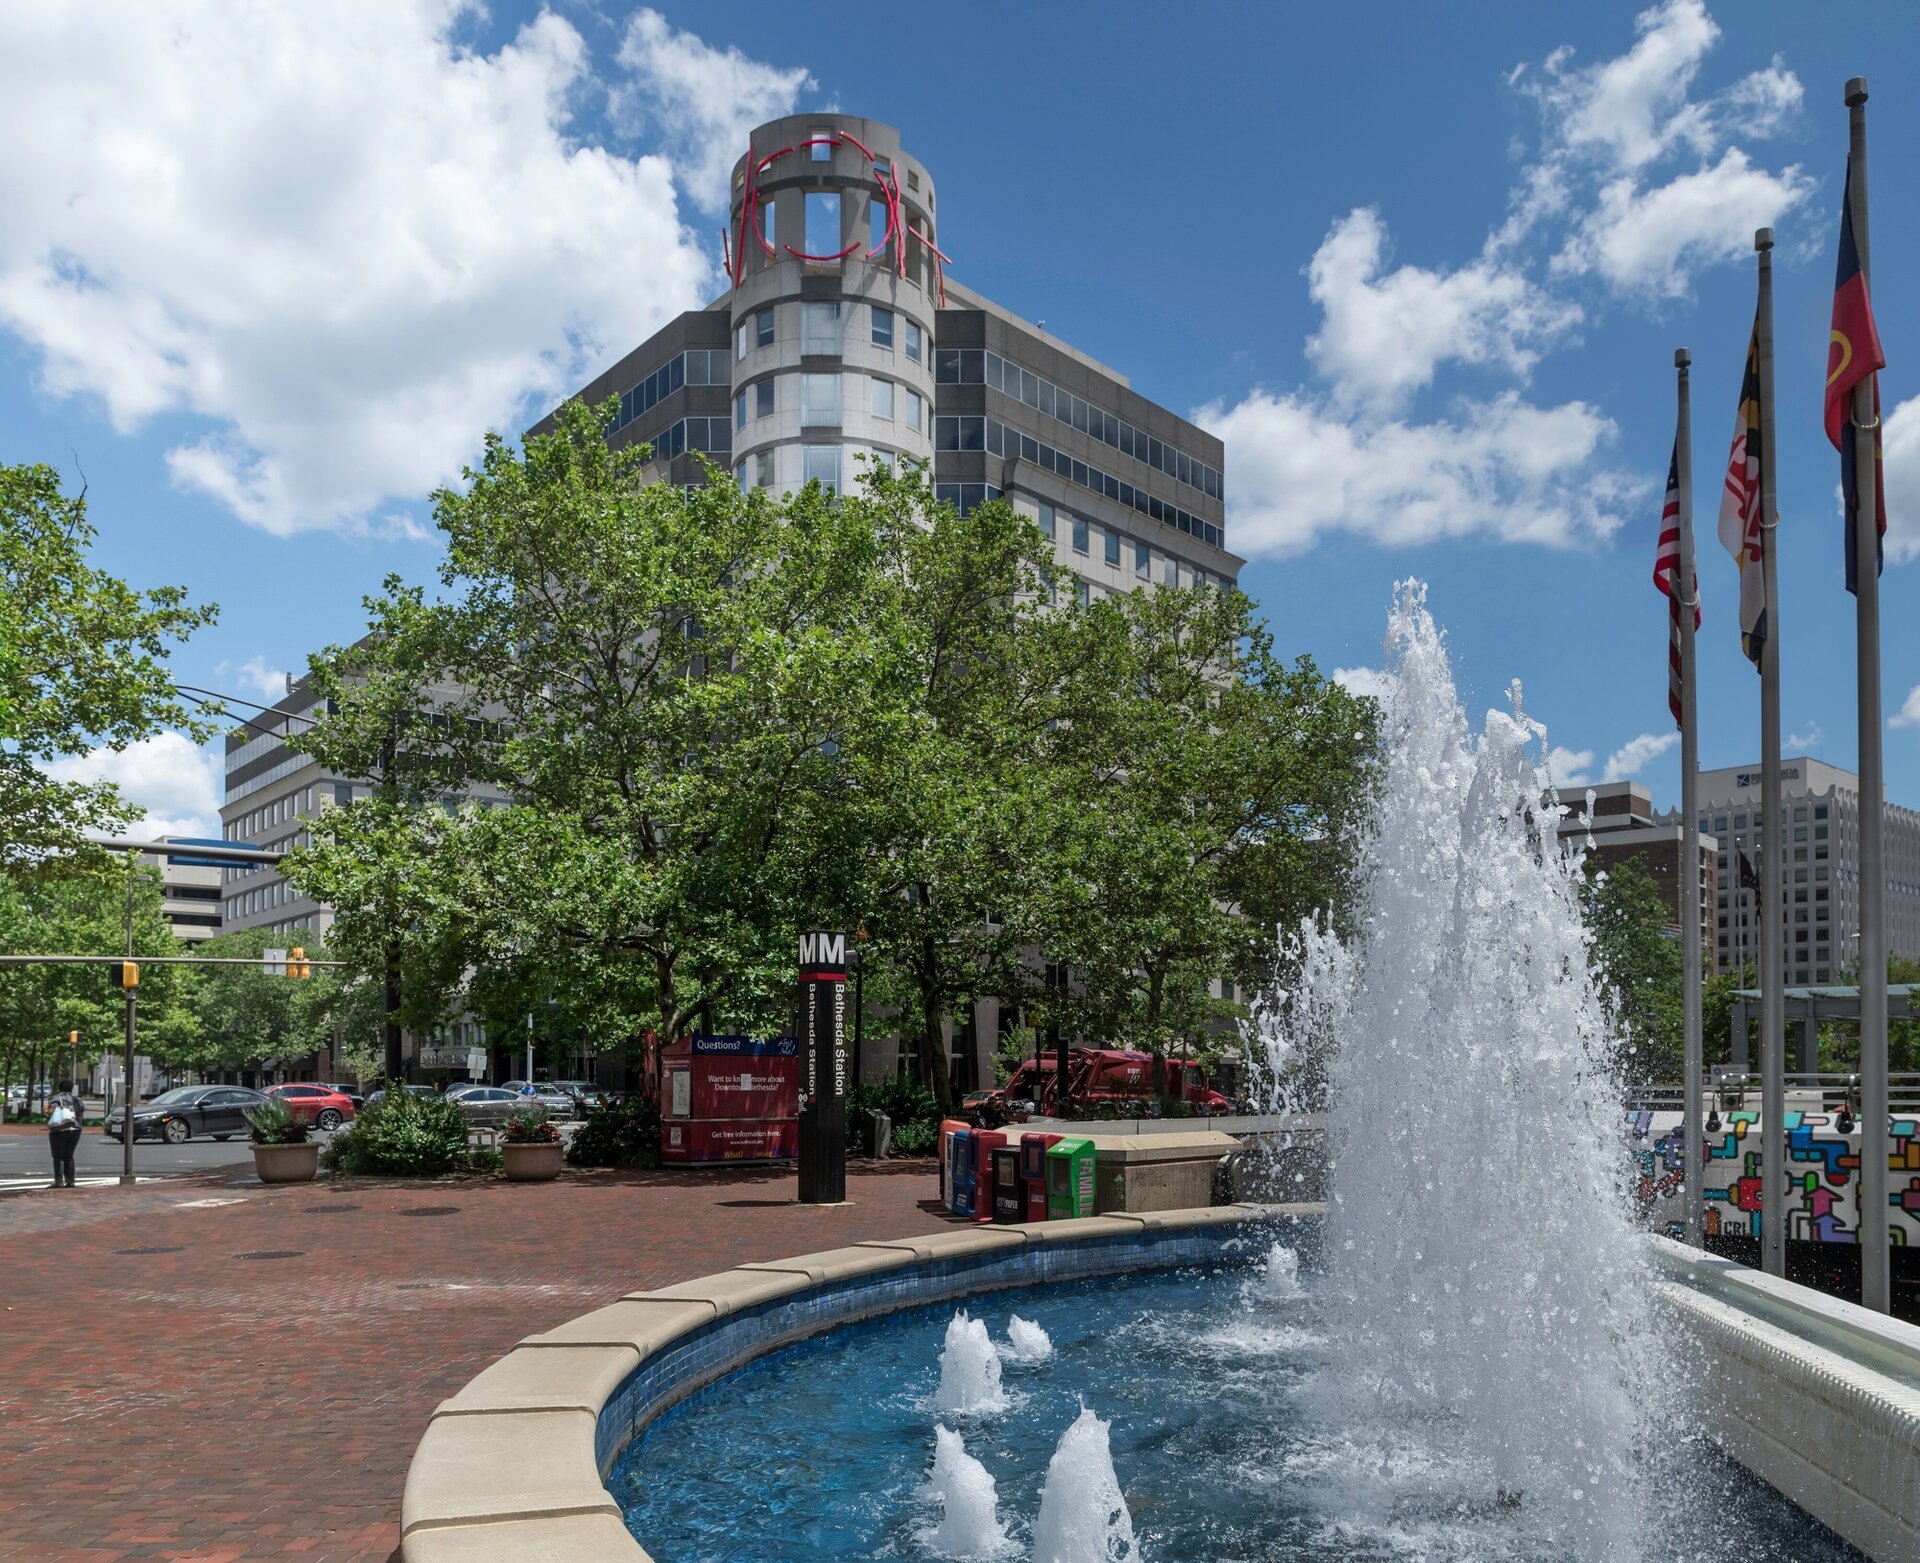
x=25 y=1162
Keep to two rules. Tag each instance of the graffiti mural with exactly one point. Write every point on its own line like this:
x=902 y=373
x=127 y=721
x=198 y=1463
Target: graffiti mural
x=1823 y=1164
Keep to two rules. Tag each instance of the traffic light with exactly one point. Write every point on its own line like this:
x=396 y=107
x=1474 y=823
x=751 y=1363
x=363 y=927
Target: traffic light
x=125 y=974
x=73 y=1039
x=298 y=964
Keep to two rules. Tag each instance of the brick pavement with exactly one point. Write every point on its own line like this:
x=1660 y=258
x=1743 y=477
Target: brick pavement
x=254 y=1385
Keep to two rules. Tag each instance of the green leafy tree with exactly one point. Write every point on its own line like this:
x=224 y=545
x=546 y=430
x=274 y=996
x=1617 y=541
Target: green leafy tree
x=1640 y=960
x=252 y=1017
x=82 y=665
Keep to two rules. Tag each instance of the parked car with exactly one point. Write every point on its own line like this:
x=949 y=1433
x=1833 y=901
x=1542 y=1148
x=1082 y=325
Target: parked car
x=559 y=1103
x=352 y=1093
x=488 y=1104
x=587 y=1097
x=17 y=1097
x=319 y=1105
x=217 y=1111
x=417 y=1090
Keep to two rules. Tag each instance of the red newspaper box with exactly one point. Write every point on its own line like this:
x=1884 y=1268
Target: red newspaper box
x=729 y=1098
x=985 y=1143
x=1033 y=1172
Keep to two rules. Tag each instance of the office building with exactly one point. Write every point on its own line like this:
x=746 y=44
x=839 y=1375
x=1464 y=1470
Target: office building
x=190 y=889
x=1621 y=825
x=1822 y=868
x=842 y=340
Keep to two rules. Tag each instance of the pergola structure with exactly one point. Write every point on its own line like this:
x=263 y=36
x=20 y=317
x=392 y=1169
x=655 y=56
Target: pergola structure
x=1810 y=1006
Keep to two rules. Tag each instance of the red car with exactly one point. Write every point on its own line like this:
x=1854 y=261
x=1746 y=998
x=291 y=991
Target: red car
x=319 y=1105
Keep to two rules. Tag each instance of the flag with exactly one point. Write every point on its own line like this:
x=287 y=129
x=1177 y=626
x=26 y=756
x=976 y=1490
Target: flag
x=1853 y=353
x=1666 y=570
x=1749 y=875
x=1740 y=531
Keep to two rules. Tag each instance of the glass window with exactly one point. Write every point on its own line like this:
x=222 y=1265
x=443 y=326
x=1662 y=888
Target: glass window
x=822 y=329
x=823 y=222
x=1080 y=593
x=740 y=411
x=740 y=340
x=1079 y=535
x=1046 y=519
x=769 y=229
x=1172 y=574
x=881 y=403
x=819 y=399
x=876 y=224
x=1113 y=546
x=822 y=148
x=883 y=458
x=946 y=433
x=697 y=368
x=882 y=327
x=763 y=328
x=823 y=465
x=740 y=477
x=763 y=398
x=1142 y=560
x=763 y=469
x=913 y=340
x=912 y=418
x=973 y=366
x=946 y=366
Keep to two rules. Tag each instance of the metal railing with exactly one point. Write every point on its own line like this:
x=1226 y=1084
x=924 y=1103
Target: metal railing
x=1730 y=1087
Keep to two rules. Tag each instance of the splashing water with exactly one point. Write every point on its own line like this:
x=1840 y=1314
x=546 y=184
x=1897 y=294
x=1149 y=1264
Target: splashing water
x=970 y=1525
x=1026 y=1341
x=969 y=1370
x=1486 y=1281
x=1083 y=1514
x=1279 y=1279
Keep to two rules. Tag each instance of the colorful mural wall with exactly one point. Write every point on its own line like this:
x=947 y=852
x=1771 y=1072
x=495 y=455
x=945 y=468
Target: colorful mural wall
x=1823 y=1164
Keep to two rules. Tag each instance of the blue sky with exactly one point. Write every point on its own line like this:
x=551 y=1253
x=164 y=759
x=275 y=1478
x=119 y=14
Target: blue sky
x=267 y=276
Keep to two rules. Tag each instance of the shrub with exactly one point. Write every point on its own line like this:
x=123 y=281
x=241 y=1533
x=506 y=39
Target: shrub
x=619 y=1134
x=916 y=1138
x=529 y=1126
x=908 y=1104
x=273 y=1123
x=402 y=1135
x=485 y=1159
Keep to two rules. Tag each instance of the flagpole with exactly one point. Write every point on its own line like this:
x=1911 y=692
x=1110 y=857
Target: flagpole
x=1773 y=900
x=1686 y=602
x=1874 y=1263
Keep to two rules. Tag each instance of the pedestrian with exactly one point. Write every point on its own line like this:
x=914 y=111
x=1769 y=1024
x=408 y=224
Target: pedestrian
x=63 y=1134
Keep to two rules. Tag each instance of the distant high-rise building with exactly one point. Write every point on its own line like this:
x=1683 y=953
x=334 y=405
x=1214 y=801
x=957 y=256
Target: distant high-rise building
x=1621 y=825
x=190 y=897
x=1821 y=871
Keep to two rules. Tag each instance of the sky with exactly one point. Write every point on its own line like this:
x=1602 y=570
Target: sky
x=268 y=273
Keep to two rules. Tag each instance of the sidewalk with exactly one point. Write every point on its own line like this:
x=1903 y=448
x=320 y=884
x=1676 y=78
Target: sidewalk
x=211 y=1370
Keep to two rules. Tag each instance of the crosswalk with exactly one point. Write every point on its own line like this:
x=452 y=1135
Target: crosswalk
x=25 y=1185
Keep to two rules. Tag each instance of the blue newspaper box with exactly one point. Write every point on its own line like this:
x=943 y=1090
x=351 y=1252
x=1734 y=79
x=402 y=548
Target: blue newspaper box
x=960 y=1173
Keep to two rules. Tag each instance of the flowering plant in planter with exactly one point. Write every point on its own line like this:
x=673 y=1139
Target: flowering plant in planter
x=273 y=1123
x=530 y=1126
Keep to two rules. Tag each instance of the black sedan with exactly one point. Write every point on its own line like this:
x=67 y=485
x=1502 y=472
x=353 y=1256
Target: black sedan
x=214 y=1111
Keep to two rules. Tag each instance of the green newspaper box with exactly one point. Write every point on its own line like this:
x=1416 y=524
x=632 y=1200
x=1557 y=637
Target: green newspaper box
x=1069 y=1179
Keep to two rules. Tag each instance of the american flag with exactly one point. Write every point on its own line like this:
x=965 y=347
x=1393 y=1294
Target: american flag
x=1740 y=530
x=1666 y=571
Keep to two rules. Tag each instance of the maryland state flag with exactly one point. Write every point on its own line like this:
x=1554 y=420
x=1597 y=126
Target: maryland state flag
x=1853 y=353
x=1666 y=576
x=1740 y=530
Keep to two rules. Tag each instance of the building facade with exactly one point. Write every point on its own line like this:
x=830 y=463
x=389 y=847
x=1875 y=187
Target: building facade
x=190 y=890
x=841 y=342
x=1621 y=825
x=1821 y=868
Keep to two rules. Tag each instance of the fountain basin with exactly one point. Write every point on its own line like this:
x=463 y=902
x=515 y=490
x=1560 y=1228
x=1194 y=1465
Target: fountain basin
x=1815 y=1396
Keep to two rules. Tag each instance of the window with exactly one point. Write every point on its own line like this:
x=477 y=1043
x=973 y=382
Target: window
x=763 y=469
x=882 y=327
x=1081 y=594
x=881 y=398
x=740 y=411
x=763 y=399
x=1142 y=560
x=1079 y=535
x=912 y=418
x=876 y=226
x=1113 y=546
x=823 y=222
x=822 y=329
x=1172 y=576
x=819 y=399
x=763 y=328
x=768 y=228
x=1046 y=519
x=823 y=466
x=822 y=148
x=740 y=340
x=883 y=458
x=913 y=340
x=960 y=366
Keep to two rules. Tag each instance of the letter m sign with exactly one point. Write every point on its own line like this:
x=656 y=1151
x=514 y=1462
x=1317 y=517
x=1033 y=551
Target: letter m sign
x=823 y=954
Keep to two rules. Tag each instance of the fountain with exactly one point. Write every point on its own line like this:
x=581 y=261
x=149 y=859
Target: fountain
x=1489 y=1280
x=969 y=1525
x=1083 y=1515
x=969 y=1370
x=1026 y=1341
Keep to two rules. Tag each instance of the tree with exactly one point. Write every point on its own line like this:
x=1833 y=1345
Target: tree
x=1641 y=964
x=257 y=1017
x=82 y=665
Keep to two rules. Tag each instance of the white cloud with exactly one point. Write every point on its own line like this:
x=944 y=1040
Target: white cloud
x=1900 y=462
x=703 y=101
x=1909 y=714
x=335 y=233
x=269 y=683
x=1811 y=738
x=176 y=783
x=1382 y=335
x=1370 y=682
x=1569 y=767
x=1505 y=470
x=1635 y=754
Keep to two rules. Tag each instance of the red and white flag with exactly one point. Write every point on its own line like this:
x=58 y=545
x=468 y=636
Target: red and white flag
x=1666 y=576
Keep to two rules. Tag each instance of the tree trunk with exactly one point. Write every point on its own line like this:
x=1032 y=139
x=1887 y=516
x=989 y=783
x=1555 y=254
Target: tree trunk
x=929 y=1056
x=391 y=1027
x=1156 y=981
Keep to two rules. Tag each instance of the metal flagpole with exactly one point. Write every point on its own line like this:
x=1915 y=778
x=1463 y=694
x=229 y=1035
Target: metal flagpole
x=1874 y=1262
x=1773 y=834
x=1685 y=601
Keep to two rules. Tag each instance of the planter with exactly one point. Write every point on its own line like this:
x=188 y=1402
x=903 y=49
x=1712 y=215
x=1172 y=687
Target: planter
x=287 y=1163
x=533 y=1163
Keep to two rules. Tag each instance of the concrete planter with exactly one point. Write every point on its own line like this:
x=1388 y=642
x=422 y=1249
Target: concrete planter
x=287 y=1163
x=535 y=1163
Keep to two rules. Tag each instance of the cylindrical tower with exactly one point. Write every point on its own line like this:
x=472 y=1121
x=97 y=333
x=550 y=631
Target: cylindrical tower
x=836 y=282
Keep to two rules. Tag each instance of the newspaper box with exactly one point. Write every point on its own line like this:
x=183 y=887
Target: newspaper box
x=1069 y=1179
x=1033 y=1172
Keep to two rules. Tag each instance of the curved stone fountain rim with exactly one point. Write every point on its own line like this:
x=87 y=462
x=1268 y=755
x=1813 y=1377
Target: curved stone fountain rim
x=515 y=1464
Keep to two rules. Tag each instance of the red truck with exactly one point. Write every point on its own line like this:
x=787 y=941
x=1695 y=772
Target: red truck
x=1108 y=1074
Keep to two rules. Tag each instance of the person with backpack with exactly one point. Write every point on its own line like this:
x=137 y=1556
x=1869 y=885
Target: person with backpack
x=64 y=1115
